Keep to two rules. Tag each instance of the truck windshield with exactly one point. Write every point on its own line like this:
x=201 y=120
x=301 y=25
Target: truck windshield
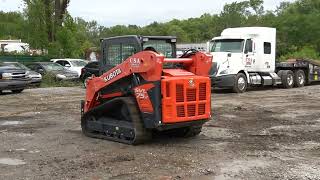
x=227 y=45
x=161 y=46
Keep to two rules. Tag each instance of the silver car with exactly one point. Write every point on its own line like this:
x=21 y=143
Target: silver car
x=36 y=78
x=57 y=70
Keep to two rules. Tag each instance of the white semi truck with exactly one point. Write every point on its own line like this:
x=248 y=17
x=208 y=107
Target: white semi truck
x=246 y=56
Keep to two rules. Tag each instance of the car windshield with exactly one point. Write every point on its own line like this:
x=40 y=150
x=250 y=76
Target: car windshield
x=78 y=63
x=228 y=45
x=10 y=65
x=17 y=65
x=161 y=46
x=53 y=67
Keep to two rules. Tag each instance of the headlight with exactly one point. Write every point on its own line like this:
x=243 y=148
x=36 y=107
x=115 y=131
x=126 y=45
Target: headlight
x=61 y=76
x=6 y=75
x=224 y=72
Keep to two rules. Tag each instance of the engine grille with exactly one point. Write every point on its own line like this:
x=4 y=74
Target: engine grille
x=186 y=100
x=193 y=96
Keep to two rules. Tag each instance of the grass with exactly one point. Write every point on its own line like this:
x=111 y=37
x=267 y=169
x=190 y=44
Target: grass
x=49 y=80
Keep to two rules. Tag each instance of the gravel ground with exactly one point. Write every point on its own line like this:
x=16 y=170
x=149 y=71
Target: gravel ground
x=261 y=134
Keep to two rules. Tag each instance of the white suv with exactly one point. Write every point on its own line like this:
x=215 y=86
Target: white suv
x=72 y=64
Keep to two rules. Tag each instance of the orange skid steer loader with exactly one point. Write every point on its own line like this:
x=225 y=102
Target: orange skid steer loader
x=144 y=88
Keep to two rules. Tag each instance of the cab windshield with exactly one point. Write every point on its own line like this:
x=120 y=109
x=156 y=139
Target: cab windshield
x=228 y=45
x=164 y=47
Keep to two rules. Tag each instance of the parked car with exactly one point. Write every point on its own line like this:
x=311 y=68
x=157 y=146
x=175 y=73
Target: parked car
x=59 y=71
x=36 y=78
x=13 y=78
x=71 y=64
x=90 y=69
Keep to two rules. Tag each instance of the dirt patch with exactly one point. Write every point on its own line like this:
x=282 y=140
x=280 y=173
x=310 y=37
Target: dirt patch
x=265 y=134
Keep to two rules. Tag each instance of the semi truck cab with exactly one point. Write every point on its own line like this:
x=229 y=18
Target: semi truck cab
x=239 y=52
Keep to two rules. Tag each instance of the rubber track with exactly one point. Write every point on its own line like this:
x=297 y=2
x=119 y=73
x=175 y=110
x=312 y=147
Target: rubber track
x=142 y=135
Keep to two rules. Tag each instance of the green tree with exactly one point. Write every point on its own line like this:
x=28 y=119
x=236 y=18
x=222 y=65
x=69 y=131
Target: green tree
x=12 y=25
x=38 y=24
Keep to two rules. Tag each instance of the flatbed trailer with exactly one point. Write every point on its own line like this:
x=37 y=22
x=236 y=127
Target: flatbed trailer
x=310 y=68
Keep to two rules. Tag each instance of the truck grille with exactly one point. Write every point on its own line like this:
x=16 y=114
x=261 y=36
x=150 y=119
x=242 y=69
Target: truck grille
x=185 y=101
x=19 y=76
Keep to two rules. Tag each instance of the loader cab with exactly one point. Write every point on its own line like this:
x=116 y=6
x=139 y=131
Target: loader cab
x=115 y=50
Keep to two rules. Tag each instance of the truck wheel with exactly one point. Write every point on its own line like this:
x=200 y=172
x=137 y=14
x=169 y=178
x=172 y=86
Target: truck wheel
x=287 y=79
x=17 y=91
x=240 y=84
x=299 y=78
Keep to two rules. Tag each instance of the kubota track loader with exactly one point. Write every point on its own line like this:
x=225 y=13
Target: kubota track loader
x=144 y=88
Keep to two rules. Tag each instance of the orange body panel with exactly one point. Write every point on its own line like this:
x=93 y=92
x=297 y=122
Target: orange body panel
x=143 y=99
x=185 y=98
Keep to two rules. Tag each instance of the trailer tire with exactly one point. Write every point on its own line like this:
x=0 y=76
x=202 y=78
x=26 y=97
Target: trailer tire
x=287 y=78
x=299 y=78
x=240 y=83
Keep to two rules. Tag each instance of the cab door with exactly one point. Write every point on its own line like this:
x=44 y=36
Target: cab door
x=268 y=63
x=116 y=50
x=249 y=59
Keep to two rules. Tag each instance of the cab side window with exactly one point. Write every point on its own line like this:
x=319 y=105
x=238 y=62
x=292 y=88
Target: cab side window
x=267 y=47
x=248 y=47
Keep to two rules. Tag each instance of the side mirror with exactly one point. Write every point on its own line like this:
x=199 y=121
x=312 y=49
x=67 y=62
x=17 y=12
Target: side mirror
x=67 y=65
x=208 y=47
x=229 y=54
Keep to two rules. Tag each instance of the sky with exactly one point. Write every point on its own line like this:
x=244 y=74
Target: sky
x=138 y=12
